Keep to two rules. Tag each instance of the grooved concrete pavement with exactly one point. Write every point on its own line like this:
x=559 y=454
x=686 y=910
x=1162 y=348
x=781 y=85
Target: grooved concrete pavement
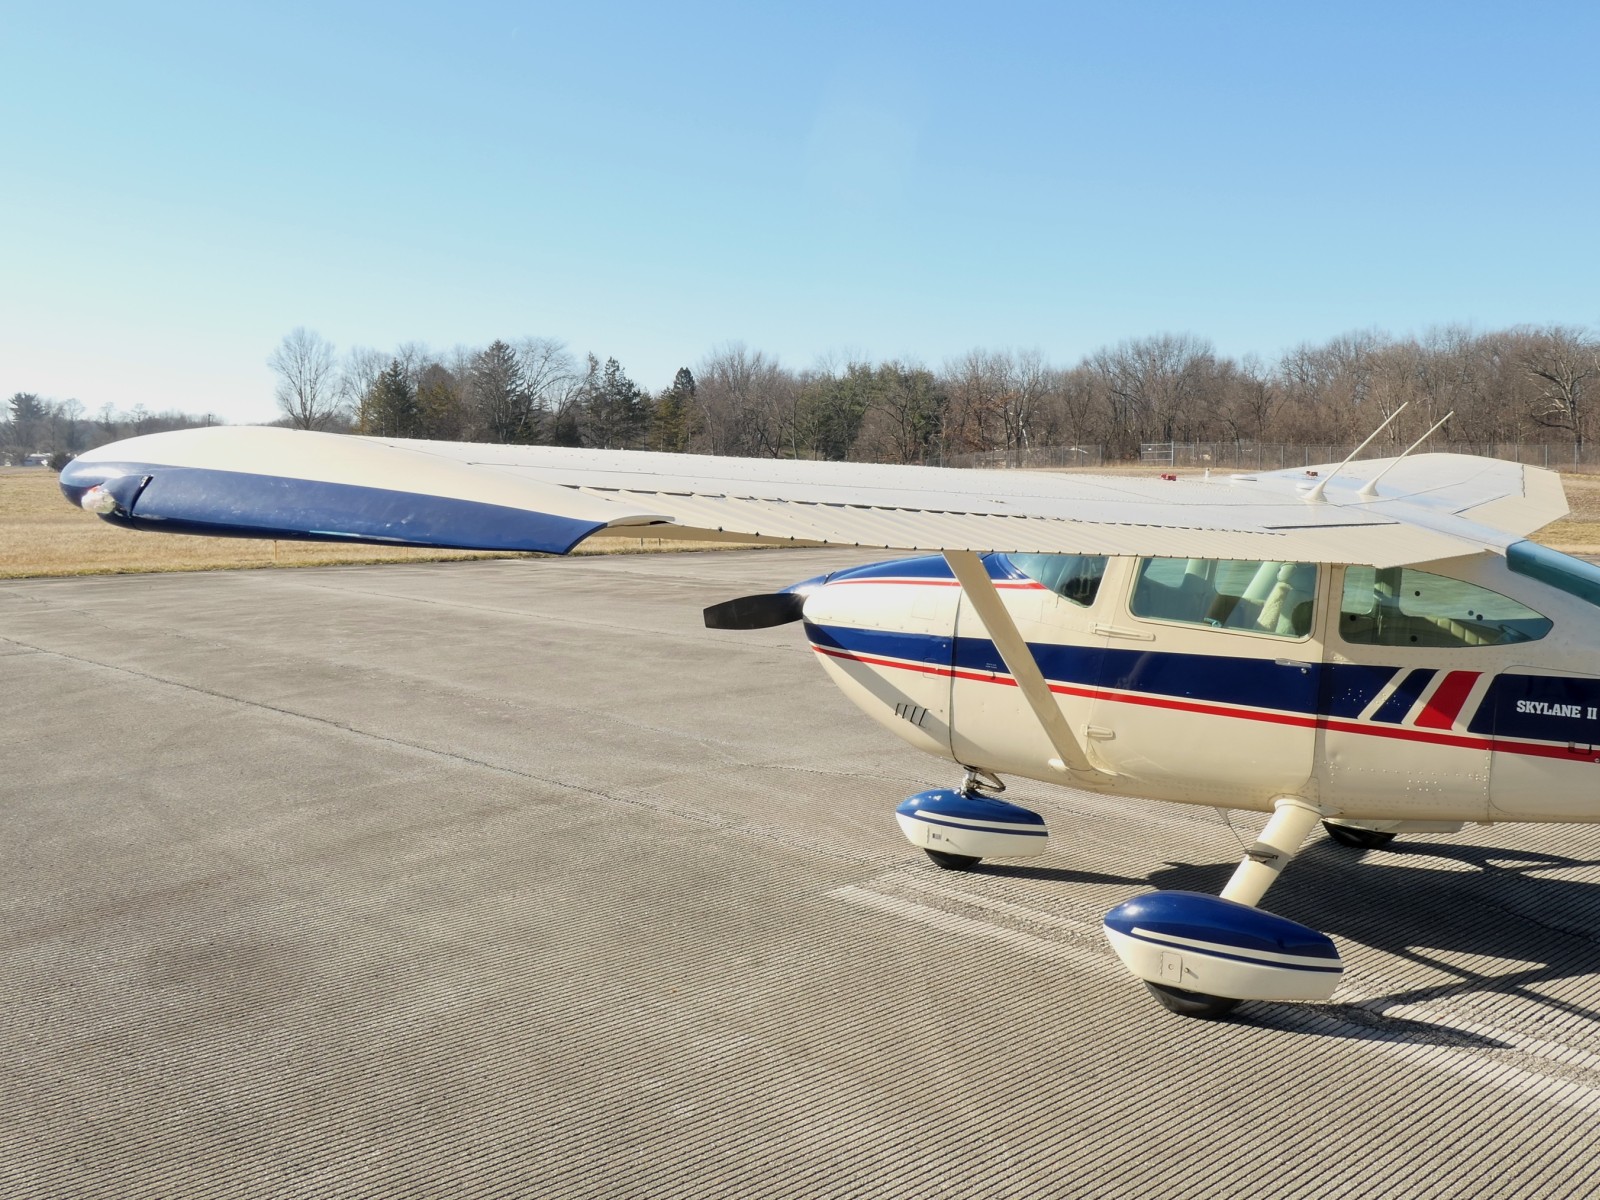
x=510 y=879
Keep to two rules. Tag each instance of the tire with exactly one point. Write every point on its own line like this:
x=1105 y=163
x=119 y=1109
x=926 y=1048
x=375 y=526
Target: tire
x=1357 y=839
x=952 y=862
x=1191 y=1004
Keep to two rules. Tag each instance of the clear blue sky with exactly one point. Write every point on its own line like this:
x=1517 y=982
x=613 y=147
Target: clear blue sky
x=181 y=184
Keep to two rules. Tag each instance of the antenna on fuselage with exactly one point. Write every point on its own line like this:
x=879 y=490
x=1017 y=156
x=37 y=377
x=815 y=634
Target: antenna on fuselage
x=1369 y=490
x=1316 y=494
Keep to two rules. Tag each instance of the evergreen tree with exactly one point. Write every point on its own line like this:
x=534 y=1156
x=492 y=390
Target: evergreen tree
x=832 y=408
x=614 y=412
x=505 y=405
x=439 y=404
x=390 y=406
x=28 y=415
x=672 y=415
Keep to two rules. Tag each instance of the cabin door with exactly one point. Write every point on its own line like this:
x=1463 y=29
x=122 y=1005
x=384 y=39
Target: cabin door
x=1546 y=755
x=1207 y=683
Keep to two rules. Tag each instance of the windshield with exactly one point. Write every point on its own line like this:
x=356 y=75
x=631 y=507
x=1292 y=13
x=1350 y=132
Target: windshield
x=1074 y=577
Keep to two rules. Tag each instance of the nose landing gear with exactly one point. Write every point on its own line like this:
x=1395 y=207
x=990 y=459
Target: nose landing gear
x=959 y=828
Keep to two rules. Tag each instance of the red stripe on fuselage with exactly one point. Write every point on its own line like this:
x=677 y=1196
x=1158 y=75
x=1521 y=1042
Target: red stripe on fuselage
x=1444 y=706
x=1297 y=720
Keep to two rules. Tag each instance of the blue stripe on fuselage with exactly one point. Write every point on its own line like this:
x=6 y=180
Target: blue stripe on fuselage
x=1395 y=708
x=1203 y=678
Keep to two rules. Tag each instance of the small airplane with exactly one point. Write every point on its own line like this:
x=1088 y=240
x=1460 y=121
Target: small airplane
x=1371 y=646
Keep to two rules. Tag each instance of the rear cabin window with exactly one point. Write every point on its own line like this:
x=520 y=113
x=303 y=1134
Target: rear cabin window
x=1274 y=598
x=1397 y=606
x=1074 y=577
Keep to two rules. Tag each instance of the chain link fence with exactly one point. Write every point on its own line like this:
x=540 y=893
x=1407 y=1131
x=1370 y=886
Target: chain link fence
x=1032 y=459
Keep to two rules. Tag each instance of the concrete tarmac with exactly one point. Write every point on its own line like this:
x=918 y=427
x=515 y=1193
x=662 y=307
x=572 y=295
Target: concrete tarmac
x=511 y=879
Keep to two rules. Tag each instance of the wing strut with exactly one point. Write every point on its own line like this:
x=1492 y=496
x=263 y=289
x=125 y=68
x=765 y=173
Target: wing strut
x=985 y=599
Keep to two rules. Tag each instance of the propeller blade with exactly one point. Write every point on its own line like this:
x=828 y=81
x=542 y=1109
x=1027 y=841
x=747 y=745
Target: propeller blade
x=756 y=612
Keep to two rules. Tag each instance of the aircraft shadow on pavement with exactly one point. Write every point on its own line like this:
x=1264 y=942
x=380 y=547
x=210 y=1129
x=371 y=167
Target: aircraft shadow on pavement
x=1543 y=929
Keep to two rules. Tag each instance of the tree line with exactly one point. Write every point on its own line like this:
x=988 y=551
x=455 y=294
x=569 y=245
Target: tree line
x=32 y=424
x=1529 y=383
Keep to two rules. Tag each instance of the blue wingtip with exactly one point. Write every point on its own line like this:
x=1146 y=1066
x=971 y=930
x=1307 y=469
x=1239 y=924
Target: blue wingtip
x=236 y=504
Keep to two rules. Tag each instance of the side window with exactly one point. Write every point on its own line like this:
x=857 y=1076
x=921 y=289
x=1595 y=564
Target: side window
x=1259 y=597
x=1074 y=577
x=1396 y=606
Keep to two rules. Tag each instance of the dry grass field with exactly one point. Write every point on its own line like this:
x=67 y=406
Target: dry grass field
x=41 y=534
x=1579 y=532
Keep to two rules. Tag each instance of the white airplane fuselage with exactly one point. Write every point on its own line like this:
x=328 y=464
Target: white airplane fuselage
x=1448 y=716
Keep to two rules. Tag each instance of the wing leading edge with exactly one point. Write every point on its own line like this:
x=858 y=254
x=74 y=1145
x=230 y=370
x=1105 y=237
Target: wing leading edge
x=268 y=482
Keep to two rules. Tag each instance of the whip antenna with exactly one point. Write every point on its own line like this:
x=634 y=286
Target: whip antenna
x=1315 y=494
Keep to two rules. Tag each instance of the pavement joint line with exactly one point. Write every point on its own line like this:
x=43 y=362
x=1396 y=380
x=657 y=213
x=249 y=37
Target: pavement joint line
x=710 y=744
x=693 y=815
x=695 y=636
x=1427 y=1013
x=1019 y=912
x=948 y=922
x=1465 y=992
x=1453 y=1057
x=325 y=722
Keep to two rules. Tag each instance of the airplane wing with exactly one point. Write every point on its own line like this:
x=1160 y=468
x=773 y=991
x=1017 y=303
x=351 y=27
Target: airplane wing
x=279 y=483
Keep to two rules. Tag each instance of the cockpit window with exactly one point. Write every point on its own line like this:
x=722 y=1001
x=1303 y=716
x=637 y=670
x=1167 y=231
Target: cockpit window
x=1074 y=577
x=1397 y=606
x=1257 y=597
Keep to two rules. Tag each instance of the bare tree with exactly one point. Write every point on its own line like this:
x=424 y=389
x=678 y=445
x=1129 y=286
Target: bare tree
x=357 y=373
x=549 y=380
x=1563 y=363
x=1156 y=385
x=976 y=384
x=307 y=390
x=1077 y=407
x=742 y=396
x=901 y=422
x=1254 y=399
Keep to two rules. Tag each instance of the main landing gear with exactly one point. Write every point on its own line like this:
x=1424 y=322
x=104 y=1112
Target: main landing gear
x=1199 y=955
